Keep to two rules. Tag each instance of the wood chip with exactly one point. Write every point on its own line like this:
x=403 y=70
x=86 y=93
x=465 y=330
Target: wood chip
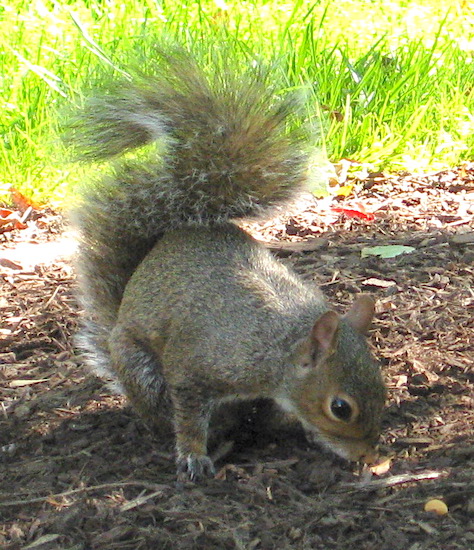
x=462 y=238
x=23 y=383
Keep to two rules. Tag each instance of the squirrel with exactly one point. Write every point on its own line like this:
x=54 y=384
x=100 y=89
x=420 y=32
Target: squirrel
x=184 y=307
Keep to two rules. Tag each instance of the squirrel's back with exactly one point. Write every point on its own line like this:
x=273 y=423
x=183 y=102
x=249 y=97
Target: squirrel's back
x=219 y=146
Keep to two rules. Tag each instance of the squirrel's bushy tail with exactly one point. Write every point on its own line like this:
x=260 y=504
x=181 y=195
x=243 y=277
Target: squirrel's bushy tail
x=219 y=147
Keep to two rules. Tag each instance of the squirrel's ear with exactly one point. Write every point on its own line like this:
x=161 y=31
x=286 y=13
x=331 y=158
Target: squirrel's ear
x=324 y=330
x=361 y=313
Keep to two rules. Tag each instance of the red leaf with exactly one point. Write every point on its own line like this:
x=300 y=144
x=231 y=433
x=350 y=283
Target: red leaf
x=10 y=220
x=353 y=213
x=22 y=202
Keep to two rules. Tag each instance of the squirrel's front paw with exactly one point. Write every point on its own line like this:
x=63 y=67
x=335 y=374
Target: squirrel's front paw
x=195 y=467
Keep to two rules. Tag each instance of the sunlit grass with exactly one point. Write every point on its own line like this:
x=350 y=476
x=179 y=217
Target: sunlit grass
x=390 y=82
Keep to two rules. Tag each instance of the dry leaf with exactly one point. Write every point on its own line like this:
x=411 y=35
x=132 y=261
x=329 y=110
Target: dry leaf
x=381 y=283
x=344 y=190
x=22 y=202
x=9 y=220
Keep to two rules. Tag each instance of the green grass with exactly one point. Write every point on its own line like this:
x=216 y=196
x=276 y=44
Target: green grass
x=390 y=82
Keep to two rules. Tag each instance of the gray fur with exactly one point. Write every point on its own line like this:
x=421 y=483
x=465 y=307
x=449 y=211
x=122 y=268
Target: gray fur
x=181 y=305
x=226 y=147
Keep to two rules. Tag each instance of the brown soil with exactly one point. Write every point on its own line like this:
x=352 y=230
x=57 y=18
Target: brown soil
x=79 y=469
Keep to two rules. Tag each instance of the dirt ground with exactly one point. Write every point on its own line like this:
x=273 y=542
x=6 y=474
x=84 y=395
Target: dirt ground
x=79 y=470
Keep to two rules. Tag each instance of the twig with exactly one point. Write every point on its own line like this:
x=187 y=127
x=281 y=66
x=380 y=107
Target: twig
x=391 y=481
x=153 y=486
x=52 y=297
x=139 y=501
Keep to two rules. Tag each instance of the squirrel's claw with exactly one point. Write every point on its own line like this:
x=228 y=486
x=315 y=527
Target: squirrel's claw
x=195 y=467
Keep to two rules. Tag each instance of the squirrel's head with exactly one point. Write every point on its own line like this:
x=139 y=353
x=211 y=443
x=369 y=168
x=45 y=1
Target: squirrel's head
x=339 y=393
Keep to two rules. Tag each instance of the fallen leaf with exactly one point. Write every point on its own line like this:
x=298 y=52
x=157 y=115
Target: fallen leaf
x=388 y=251
x=353 y=213
x=42 y=541
x=9 y=220
x=344 y=190
x=5 y=262
x=22 y=202
x=337 y=115
x=381 y=283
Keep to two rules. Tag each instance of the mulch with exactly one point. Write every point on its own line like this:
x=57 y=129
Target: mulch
x=79 y=470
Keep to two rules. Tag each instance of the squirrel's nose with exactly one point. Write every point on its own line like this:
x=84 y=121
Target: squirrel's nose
x=370 y=456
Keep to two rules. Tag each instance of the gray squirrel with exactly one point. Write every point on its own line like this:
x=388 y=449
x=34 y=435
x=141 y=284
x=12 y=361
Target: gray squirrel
x=184 y=307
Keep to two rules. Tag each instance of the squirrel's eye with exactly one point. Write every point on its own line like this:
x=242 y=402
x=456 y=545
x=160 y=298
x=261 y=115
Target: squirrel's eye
x=341 y=409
